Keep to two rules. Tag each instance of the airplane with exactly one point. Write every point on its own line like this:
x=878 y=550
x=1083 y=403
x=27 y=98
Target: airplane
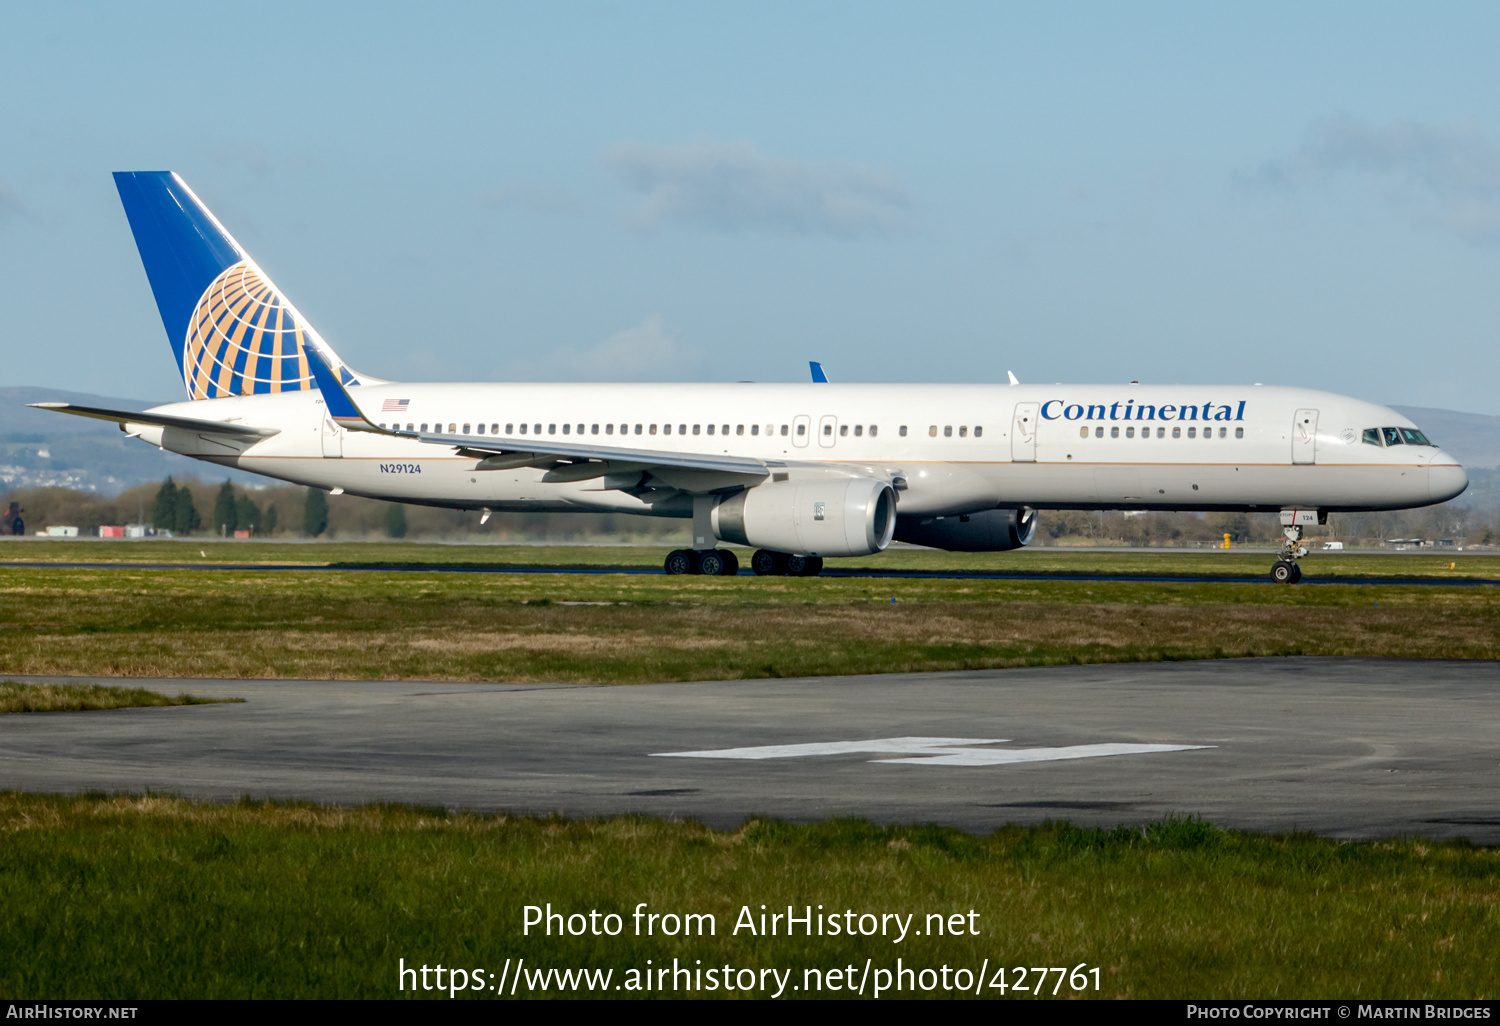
x=798 y=472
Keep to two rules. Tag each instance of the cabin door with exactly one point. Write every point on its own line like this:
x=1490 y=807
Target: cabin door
x=1023 y=433
x=1305 y=437
x=333 y=439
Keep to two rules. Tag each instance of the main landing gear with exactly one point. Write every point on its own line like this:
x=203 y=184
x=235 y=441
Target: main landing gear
x=708 y=562
x=1286 y=570
x=778 y=564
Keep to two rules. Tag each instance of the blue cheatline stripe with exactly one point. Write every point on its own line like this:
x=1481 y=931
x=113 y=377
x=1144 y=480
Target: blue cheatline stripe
x=180 y=247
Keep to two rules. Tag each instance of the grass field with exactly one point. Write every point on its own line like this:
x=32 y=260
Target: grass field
x=16 y=697
x=156 y=897
x=632 y=628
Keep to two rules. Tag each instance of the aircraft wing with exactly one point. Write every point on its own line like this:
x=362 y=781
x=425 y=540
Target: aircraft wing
x=520 y=452
x=216 y=427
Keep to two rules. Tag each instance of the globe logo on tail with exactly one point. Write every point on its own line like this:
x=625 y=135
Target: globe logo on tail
x=243 y=339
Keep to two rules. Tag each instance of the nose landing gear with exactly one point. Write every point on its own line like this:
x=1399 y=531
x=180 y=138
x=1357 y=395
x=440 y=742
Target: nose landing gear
x=1286 y=570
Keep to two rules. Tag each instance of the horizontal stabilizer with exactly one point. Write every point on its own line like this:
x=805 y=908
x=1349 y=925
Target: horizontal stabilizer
x=216 y=427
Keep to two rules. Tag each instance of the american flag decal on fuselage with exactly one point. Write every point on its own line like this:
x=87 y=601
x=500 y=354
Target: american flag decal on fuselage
x=395 y=405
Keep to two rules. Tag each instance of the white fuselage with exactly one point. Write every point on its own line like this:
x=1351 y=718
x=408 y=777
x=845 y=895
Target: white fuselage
x=951 y=449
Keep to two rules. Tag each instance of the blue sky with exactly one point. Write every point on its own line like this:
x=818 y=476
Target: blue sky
x=1292 y=194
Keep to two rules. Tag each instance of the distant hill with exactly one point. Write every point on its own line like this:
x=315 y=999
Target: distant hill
x=1472 y=438
x=39 y=449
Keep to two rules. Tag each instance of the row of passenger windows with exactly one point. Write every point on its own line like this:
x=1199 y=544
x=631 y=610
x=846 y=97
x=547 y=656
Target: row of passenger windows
x=1161 y=432
x=858 y=430
x=646 y=429
x=1394 y=436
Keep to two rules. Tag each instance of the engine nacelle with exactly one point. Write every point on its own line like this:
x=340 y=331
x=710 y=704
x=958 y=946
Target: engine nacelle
x=994 y=530
x=820 y=516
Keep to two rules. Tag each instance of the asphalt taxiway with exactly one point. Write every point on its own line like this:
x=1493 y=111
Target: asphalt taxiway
x=1346 y=748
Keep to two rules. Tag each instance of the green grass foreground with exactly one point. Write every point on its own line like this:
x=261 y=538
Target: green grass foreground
x=16 y=697
x=152 y=897
x=638 y=628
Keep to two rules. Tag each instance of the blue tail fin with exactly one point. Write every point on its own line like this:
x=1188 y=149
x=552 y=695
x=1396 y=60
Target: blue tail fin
x=231 y=329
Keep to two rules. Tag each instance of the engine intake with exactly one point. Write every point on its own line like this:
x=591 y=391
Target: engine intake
x=832 y=516
x=994 y=530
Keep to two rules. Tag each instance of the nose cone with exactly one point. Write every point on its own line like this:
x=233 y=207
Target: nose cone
x=1445 y=478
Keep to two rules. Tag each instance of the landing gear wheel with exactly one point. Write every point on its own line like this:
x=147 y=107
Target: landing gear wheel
x=1296 y=573
x=731 y=563
x=711 y=563
x=804 y=566
x=768 y=564
x=1286 y=572
x=680 y=561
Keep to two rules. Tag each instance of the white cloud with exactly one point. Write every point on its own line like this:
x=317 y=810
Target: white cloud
x=734 y=187
x=1444 y=176
x=646 y=352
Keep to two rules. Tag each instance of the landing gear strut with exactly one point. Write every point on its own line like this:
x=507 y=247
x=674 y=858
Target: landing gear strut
x=778 y=564
x=1286 y=570
x=708 y=562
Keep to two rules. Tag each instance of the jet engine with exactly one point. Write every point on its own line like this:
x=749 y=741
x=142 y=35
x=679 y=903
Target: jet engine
x=994 y=530
x=818 y=516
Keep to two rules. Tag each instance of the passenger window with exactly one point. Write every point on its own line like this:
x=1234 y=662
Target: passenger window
x=637 y=429
x=624 y=429
x=409 y=428
x=1130 y=432
x=1391 y=436
x=843 y=430
x=739 y=429
x=666 y=429
x=978 y=430
x=1114 y=432
x=551 y=429
x=696 y=428
x=481 y=428
x=1083 y=432
x=565 y=428
x=609 y=429
x=1192 y=432
x=874 y=430
x=1177 y=432
x=947 y=430
x=1239 y=432
x=783 y=431
x=901 y=431
x=801 y=430
x=536 y=429
x=1223 y=432
x=652 y=431
x=755 y=429
x=1099 y=431
x=466 y=429
x=932 y=431
x=523 y=428
x=453 y=429
x=510 y=429
x=828 y=429
x=725 y=431
x=963 y=431
x=682 y=429
x=594 y=429
x=859 y=429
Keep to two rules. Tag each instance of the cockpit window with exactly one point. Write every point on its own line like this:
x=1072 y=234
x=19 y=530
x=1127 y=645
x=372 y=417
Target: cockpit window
x=1372 y=436
x=1392 y=436
x=1414 y=437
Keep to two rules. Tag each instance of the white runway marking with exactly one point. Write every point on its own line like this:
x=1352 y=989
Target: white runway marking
x=932 y=751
